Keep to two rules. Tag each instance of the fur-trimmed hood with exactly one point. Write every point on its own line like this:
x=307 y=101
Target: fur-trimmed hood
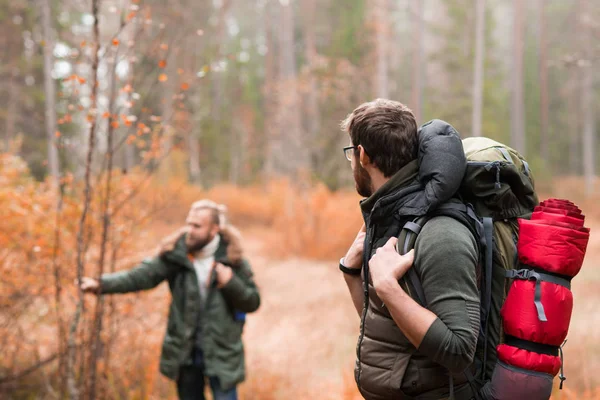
x=231 y=237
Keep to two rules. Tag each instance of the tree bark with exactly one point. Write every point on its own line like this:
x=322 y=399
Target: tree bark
x=518 y=141
x=478 y=67
x=382 y=47
x=82 y=233
x=543 y=77
x=217 y=77
x=574 y=102
x=168 y=101
x=418 y=54
x=130 y=35
x=310 y=52
x=588 y=100
x=96 y=348
x=295 y=155
x=50 y=93
x=269 y=93
x=12 y=110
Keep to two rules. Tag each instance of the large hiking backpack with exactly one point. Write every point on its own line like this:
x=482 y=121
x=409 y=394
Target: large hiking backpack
x=498 y=193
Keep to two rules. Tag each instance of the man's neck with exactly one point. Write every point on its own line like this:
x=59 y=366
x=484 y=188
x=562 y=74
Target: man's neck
x=377 y=179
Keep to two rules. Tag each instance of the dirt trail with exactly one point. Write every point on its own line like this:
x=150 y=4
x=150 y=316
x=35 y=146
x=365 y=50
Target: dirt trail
x=305 y=331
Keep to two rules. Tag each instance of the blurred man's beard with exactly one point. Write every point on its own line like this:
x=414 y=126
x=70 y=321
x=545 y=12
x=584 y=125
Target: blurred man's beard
x=195 y=245
x=362 y=181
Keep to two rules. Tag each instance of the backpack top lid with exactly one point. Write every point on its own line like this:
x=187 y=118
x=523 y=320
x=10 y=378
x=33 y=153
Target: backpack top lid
x=498 y=181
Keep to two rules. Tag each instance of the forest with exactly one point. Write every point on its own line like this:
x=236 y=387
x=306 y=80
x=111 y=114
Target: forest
x=118 y=114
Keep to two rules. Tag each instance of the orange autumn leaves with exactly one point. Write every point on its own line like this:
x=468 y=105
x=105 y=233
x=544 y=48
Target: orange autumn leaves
x=163 y=77
x=75 y=78
x=141 y=130
x=184 y=86
x=30 y=260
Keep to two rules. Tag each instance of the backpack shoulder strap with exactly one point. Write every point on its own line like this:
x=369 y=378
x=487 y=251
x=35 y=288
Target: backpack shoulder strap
x=484 y=230
x=406 y=242
x=486 y=298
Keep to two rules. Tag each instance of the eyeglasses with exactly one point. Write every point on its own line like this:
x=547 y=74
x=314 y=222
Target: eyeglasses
x=348 y=152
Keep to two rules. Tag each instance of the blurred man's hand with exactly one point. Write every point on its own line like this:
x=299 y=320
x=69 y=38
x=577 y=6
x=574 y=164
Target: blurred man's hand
x=224 y=274
x=90 y=285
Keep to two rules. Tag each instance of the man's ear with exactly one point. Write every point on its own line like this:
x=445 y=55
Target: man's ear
x=363 y=156
x=215 y=229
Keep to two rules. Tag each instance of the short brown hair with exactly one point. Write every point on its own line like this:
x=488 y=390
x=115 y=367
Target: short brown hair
x=387 y=130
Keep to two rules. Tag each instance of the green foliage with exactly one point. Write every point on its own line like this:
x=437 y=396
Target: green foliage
x=349 y=31
x=451 y=99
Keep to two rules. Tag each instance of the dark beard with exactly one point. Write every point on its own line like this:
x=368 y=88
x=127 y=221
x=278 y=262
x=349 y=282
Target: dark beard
x=197 y=245
x=362 y=181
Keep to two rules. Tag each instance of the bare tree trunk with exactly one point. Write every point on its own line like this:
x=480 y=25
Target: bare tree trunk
x=478 y=67
x=574 y=105
x=269 y=93
x=217 y=77
x=129 y=157
x=129 y=35
x=543 y=76
x=194 y=153
x=11 y=111
x=398 y=50
x=96 y=348
x=518 y=105
x=574 y=126
x=244 y=144
x=234 y=154
x=50 y=93
x=167 y=111
x=310 y=53
x=382 y=9
x=61 y=335
x=588 y=101
x=81 y=233
x=192 y=136
x=418 y=55
x=295 y=155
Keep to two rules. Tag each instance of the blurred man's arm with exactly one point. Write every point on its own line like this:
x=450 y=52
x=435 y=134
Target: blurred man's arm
x=146 y=275
x=238 y=286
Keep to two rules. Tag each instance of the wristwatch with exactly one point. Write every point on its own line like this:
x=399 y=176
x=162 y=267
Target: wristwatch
x=349 y=271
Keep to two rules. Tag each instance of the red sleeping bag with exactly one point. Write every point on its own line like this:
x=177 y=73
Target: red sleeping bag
x=537 y=311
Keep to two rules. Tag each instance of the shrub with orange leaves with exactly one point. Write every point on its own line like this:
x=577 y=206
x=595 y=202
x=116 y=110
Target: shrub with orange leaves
x=38 y=267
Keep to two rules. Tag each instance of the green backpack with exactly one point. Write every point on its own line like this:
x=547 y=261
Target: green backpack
x=497 y=188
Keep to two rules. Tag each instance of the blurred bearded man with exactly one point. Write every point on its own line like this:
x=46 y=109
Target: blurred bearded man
x=212 y=288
